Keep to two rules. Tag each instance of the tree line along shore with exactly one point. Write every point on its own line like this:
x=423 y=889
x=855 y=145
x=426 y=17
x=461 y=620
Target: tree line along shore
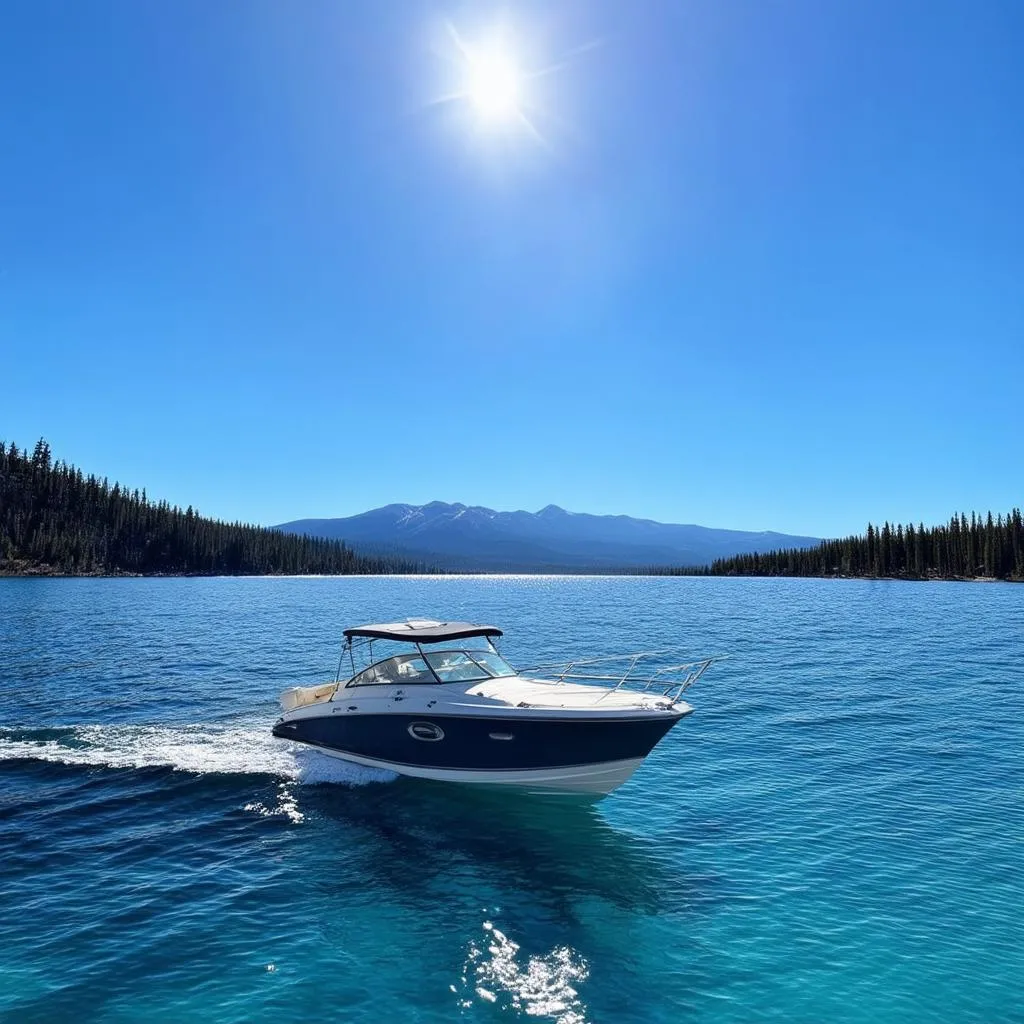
x=975 y=548
x=54 y=520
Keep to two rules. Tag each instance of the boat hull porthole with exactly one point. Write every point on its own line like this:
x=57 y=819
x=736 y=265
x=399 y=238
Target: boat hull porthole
x=426 y=731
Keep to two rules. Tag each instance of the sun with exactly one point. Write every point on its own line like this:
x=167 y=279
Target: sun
x=494 y=85
x=487 y=79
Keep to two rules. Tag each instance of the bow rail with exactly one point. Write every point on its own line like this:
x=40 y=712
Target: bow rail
x=644 y=672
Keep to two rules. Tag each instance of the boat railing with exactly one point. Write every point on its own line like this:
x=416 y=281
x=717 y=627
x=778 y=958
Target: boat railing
x=645 y=672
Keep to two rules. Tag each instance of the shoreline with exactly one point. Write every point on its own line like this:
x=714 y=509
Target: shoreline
x=46 y=572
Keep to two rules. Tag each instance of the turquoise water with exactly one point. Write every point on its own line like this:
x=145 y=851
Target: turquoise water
x=836 y=834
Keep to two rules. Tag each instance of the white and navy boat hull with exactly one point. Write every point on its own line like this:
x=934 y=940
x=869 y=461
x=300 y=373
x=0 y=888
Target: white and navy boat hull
x=592 y=753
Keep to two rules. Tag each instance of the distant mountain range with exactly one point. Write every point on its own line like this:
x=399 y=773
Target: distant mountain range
x=463 y=537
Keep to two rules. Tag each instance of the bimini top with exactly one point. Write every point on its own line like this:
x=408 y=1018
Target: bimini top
x=422 y=631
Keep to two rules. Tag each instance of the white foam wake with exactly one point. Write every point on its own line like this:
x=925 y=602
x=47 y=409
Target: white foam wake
x=215 y=748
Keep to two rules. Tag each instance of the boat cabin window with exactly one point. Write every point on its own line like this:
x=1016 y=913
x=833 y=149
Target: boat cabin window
x=448 y=667
x=398 y=671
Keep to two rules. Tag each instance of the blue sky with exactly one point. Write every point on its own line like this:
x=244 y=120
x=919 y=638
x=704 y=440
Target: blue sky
x=750 y=265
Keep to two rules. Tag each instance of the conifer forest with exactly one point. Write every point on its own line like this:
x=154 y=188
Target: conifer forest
x=56 y=520
x=979 y=547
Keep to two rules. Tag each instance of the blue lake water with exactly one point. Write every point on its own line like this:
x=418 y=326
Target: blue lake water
x=837 y=833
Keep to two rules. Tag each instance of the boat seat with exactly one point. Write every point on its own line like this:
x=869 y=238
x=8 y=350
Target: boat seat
x=300 y=696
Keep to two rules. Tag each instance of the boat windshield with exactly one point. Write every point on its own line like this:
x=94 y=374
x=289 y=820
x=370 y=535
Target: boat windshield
x=467 y=666
x=447 y=666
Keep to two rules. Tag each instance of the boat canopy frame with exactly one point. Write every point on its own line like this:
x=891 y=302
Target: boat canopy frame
x=414 y=632
x=422 y=631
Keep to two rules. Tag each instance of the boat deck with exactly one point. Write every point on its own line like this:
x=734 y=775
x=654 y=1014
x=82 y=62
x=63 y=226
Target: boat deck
x=516 y=690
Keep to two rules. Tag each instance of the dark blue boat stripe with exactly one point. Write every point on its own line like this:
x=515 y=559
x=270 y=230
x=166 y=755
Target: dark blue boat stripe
x=467 y=745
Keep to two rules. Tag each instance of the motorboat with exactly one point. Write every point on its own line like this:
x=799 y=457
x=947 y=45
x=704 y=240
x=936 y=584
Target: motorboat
x=436 y=700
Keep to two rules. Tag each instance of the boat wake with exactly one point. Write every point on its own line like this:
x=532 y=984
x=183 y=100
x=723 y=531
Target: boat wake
x=222 y=748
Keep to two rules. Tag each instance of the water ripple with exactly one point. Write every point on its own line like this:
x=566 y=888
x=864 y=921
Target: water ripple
x=836 y=833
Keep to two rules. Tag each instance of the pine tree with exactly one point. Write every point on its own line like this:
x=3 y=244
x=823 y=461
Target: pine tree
x=53 y=518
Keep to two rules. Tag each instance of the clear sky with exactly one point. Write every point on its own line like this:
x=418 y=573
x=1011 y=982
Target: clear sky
x=747 y=264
